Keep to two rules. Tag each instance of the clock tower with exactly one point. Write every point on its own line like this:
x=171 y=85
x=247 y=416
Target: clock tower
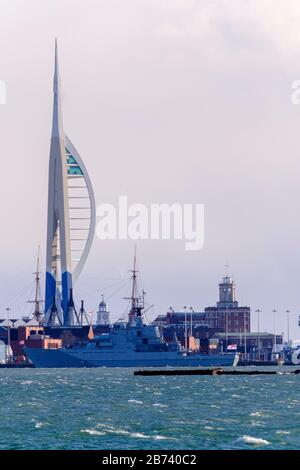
x=103 y=313
x=227 y=296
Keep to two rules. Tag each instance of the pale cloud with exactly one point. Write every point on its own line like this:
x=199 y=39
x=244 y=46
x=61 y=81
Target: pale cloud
x=226 y=25
x=170 y=30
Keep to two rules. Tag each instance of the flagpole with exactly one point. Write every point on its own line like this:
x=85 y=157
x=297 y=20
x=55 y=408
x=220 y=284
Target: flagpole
x=185 y=330
x=245 y=335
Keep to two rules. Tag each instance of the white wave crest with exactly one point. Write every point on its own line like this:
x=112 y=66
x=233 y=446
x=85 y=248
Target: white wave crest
x=256 y=413
x=256 y=441
x=93 y=432
x=139 y=435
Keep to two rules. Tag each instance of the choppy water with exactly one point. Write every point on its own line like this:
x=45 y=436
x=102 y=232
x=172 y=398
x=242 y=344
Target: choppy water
x=112 y=409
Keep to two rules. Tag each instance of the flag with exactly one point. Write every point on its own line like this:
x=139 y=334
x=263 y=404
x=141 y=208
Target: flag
x=232 y=347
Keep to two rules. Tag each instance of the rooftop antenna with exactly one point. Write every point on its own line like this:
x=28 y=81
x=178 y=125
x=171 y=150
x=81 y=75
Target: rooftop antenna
x=227 y=269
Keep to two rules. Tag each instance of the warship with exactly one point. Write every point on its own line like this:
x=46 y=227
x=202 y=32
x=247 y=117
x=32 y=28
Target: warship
x=128 y=344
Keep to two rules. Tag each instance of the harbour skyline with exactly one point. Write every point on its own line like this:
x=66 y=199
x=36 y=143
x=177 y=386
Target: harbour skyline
x=150 y=237
x=243 y=186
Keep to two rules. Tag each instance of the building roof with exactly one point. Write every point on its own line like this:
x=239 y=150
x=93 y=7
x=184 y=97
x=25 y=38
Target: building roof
x=15 y=322
x=227 y=280
x=252 y=333
x=229 y=308
x=4 y=322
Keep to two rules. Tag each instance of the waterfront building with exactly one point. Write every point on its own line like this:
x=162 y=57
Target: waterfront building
x=188 y=327
x=254 y=346
x=227 y=315
x=178 y=318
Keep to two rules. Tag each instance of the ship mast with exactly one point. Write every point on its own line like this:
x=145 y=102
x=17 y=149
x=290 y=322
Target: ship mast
x=133 y=298
x=136 y=305
x=37 y=314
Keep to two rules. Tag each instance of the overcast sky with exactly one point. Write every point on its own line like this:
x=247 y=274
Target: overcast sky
x=183 y=101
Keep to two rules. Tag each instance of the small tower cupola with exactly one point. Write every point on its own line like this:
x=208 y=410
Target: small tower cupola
x=103 y=313
x=227 y=294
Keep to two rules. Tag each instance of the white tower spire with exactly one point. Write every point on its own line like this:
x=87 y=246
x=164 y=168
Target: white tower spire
x=71 y=213
x=58 y=240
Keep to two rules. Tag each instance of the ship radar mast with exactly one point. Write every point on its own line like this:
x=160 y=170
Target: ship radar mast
x=137 y=301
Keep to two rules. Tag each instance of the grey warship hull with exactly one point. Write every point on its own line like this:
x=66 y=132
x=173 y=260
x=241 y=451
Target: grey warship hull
x=64 y=358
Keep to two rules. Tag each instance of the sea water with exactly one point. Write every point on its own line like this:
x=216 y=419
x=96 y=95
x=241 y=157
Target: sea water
x=113 y=409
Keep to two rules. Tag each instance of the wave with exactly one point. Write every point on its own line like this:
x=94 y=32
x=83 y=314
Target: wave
x=40 y=425
x=256 y=413
x=257 y=441
x=93 y=432
x=135 y=435
x=139 y=435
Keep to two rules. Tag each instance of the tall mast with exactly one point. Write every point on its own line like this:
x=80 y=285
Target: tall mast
x=37 y=311
x=133 y=298
x=37 y=285
x=137 y=303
